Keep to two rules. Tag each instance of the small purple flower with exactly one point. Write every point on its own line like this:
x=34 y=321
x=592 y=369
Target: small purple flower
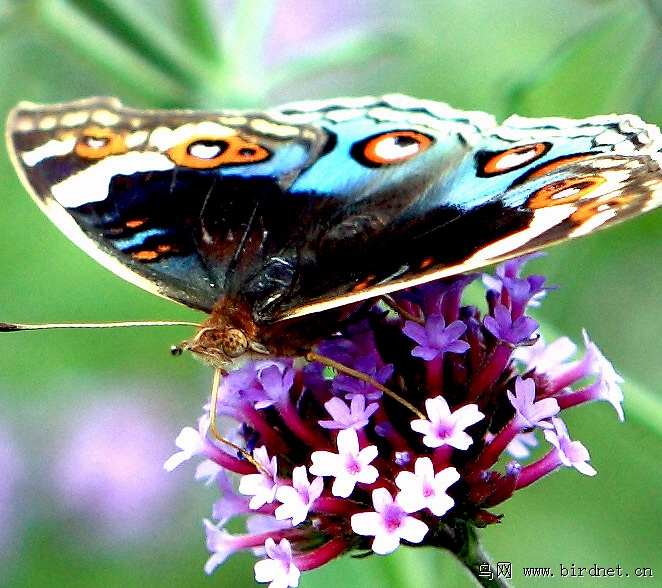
x=435 y=338
x=519 y=446
x=532 y=413
x=388 y=524
x=276 y=385
x=571 y=453
x=443 y=427
x=505 y=329
x=271 y=385
x=350 y=466
x=353 y=387
x=355 y=416
x=519 y=292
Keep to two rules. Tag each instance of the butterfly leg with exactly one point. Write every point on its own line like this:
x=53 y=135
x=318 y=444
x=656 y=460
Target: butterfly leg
x=339 y=367
x=216 y=383
x=405 y=314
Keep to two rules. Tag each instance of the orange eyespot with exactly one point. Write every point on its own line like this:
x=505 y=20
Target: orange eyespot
x=391 y=147
x=597 y=206
x=492 y=164
x=556 y=164
x=211 y=152
x=98 y=142
x=564 y=192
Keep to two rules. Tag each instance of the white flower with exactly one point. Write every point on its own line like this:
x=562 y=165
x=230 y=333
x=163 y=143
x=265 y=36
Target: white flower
x=519 y=446
x=425 y=489
x=191 y=442
x=279 y=568
x=388 y=524
x=220 y=544
x=298 y=498
x=262 y=487
x=445 y=428
x=355 y=416
x=349 y=466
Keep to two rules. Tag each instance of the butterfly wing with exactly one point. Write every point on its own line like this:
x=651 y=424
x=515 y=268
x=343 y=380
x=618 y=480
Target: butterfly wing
x=320 y=204
x=167 y=200
x=476 y=195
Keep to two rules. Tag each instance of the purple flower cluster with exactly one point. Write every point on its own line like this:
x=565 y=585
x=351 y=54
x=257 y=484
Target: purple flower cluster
x=346 y=467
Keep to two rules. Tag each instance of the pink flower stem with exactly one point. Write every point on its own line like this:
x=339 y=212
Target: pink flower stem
x=249 y=541
x=330 y=505
x=299 y=427
x=574 y=374
x=574 y=398
x=441 y=458
x=270 y=437
x=434 y=376
x=537 y=470
x=490 y=455
x=450 y=305
x=490 y=371
x=318 y=557
x=227 y=461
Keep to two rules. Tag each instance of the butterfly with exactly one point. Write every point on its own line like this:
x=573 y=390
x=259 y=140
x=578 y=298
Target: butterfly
x=277 y=222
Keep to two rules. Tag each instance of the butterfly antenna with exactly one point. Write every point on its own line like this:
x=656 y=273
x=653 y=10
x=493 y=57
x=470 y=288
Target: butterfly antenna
x=343 y=369
x=215 y=386
x=13 y=327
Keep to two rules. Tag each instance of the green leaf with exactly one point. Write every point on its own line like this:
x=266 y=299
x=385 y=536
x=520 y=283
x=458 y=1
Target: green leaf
x=146 y=34
x=106 y=52
x=586 y=76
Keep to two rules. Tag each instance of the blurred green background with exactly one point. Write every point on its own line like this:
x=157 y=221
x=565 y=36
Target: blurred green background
x=88 y=417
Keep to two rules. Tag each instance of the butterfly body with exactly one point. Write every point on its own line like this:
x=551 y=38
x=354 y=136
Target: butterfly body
x=265 y=218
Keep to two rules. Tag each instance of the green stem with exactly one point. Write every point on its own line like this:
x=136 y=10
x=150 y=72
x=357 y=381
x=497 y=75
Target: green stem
x=464 y=543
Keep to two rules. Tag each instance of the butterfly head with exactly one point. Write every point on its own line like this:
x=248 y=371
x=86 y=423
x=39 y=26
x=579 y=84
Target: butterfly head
x=222 y=346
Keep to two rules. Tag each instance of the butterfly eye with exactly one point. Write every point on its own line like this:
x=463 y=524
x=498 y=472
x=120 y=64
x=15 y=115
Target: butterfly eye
x=97 y=142
x=211 y=152
x=388 y=148
x=490 y=163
